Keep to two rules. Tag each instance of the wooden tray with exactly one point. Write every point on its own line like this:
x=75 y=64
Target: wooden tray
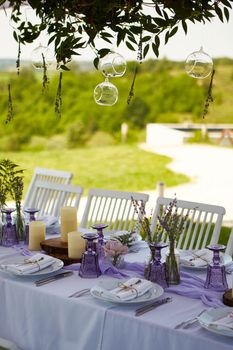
x=58 y=249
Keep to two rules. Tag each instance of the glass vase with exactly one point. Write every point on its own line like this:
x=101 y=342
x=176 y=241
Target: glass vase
x=172 y=265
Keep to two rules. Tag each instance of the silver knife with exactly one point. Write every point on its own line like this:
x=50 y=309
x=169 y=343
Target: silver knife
x=142 y=310
x=53 y=278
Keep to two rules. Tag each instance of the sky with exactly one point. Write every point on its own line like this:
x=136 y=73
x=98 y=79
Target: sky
x=216 y=39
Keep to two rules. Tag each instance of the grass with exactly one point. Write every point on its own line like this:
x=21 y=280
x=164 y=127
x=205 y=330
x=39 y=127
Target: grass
x=120 y=167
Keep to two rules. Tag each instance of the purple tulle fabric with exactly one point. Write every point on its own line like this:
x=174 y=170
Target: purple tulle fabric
x=191 y=286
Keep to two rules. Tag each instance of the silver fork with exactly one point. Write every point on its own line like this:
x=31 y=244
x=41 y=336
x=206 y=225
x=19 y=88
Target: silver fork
x=186 y=324
x=79 y=293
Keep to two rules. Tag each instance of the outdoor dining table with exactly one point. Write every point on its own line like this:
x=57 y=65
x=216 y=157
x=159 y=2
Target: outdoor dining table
x=45 y=318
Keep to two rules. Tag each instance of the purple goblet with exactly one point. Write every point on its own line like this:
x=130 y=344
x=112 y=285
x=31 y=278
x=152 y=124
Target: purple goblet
x=90 y=265
x=157 y=269
x=9 y=234
x=99 y=245
x=216 y=273
x=31 y=212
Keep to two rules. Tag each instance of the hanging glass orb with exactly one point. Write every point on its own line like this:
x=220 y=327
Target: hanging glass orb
x=40 y=55
x=199 y=64
x=113 y=65
x=106 y=94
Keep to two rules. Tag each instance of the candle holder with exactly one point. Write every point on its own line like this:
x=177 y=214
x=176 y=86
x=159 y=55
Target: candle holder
x=157 y=269
x=216 y=273
x=90 y=265
x=228 y=298
x=9 y=234
x=99 y=245
x=29 y=218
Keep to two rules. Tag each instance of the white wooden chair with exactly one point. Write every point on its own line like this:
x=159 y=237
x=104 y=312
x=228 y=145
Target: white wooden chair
x=112 y=207
x=202 y=225
x=50 y=175
x=229 y=248
x=49 y=197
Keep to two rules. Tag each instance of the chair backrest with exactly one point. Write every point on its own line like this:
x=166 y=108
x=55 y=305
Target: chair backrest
x=202 y=222
x=112 y=207
x=229 y=248
x=49 y=197
x=50 y=175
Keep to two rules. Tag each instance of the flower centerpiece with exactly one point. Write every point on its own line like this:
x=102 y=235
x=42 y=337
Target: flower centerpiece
x=11 y=187
x=114 y=250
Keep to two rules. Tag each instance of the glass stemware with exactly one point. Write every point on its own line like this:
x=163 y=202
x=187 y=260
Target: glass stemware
x=99 y=245
x=90 y=265
x=29 y=218
x=157 y=269
x=9 y=234
x=216 y=273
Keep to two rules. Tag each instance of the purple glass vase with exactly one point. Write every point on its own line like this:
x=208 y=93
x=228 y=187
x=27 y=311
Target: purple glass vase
x=157 y=269
x=216 y=273
x=31 y=212
x=9 y=234
x=99 y=245
x=90 y=265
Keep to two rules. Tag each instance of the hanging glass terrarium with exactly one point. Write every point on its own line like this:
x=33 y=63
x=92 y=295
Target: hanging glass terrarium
x=199 y=64
x=106 y=94
x=113 y=65
x=41 y=56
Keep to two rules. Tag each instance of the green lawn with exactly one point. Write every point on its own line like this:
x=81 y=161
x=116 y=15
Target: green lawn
x=113 y=167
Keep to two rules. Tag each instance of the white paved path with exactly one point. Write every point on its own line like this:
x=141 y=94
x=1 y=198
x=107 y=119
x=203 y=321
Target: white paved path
x=210 y=169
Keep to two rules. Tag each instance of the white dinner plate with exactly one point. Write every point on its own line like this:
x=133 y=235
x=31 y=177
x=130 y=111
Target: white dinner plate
x=225 y=259
x=211 y=315
x=154 y=293
x=55 y=266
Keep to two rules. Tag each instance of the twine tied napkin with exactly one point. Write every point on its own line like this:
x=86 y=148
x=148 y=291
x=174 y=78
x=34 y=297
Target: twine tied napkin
x=197 y=258
x=225 y=322
x=33 y=264
x=124 y=291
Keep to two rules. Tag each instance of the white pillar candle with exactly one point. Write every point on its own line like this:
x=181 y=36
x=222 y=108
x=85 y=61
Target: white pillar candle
x=76 y=245
x=36 y=235
x=68 y=222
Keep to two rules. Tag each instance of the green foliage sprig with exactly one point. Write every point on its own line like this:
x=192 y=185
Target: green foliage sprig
x=11 y=185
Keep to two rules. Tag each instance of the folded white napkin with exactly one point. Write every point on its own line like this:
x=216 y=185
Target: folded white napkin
x=225 y=322
x=33 y=264
x=48 y=220
x=197 y=258
x=125 y=291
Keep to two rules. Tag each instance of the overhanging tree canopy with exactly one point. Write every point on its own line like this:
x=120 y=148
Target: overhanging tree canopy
x=74 y=24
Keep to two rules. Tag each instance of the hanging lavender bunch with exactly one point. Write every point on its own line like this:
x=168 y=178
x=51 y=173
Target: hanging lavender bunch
x=58 y=101
x=209 y=97
x=10 y=106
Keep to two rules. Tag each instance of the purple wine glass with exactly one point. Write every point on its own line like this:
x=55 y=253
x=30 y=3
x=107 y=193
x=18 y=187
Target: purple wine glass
x=90 y=265
x=99 y=245
x=31 y=212
x=216 y=273
x=9 y=234
x=157 y=269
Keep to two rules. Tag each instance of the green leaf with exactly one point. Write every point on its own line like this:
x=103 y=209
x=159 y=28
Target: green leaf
x=226 y=13
x=130 y=46
x=155 y=49
x=167 y=37
x=226 y=3
x=146 y=49
x=103 y=52
x=96 y=62
x=15 y=36
x=219 y=13
x=173 y=32
x=184 y=25
x=146 y=38
x=63 y=67
x=157 y=41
